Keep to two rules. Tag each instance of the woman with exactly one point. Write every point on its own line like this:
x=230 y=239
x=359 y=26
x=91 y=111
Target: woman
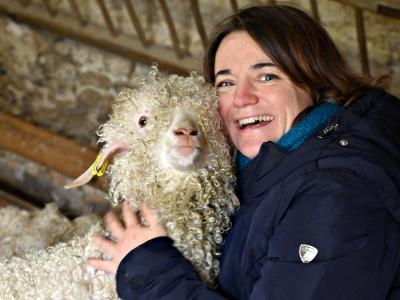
x=319 y=159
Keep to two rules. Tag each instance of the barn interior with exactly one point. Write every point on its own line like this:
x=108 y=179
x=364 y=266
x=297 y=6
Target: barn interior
x=63 y=61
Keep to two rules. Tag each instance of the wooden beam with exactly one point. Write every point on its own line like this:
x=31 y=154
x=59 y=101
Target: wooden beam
x=194 y=4
x=388 y=11
x=371 y=6
x=45 y=147
x=171 y=28
x=356 y=4
x=136 y=22
x=9 y=199
x=362 y=41
x=124 y=45
x=25 y=2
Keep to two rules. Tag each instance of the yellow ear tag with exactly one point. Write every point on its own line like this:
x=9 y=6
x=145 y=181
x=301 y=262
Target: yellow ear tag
x=94 y=170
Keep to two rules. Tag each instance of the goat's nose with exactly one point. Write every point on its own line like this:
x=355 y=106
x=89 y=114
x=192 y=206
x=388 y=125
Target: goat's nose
x=186 y=131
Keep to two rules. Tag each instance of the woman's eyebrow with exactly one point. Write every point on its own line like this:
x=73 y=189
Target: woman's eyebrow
x=223 y=72
x=256 y=66
x=262 y=65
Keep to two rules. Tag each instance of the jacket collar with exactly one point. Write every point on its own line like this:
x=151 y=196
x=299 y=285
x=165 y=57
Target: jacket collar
x=273 y=163
x=274 y=159
x=317 y=116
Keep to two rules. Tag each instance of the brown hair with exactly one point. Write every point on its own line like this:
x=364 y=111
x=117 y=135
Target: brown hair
x=300 y=47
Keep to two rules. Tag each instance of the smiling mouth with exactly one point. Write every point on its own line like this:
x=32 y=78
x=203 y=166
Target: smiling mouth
x=254 y=121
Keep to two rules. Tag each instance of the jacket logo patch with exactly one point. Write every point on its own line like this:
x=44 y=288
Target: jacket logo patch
x=307 y=253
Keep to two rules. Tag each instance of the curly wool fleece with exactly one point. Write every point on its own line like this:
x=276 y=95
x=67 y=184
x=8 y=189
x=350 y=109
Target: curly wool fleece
x=23 y=231
x=194 y=204
x=54 y=265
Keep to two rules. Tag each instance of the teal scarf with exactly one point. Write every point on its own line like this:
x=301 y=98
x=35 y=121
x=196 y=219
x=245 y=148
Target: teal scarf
x=292 y=140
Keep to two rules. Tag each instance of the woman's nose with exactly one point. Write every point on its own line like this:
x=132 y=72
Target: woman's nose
x=245 y=94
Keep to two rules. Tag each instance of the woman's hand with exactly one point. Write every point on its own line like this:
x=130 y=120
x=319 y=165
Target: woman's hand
x=126 y=237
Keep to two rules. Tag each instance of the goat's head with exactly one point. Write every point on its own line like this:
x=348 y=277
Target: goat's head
x=168 y=122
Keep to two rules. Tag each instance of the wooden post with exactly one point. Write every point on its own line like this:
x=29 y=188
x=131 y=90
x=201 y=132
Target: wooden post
x=136 y=23
x=107 y=17
x=76 y=11
x=199 y=22
x=171 y=28
x=50 y=9
x=314 y=11
x=234 y=5
x=362 y=41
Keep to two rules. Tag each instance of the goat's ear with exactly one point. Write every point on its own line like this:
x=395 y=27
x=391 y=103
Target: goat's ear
x=99 y=166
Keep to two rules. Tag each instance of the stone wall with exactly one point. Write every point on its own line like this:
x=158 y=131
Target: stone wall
x=383 y=38
x=56 y=82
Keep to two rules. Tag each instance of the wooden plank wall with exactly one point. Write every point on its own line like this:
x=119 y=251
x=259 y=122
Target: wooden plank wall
x=45 y=147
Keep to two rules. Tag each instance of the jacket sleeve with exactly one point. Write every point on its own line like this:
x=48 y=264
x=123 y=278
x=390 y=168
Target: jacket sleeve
x=346 y=218
x=157 y=270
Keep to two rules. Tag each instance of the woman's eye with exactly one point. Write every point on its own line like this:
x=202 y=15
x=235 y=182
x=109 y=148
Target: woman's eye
x=142 y=121
x=267 y=77
x=223 y=84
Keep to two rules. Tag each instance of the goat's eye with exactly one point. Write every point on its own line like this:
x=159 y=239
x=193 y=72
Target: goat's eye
x=142 y=121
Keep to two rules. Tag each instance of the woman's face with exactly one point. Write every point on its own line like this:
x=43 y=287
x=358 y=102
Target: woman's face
x=257 y=101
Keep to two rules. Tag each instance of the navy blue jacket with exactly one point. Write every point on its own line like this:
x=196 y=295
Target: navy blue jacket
x=339 y=192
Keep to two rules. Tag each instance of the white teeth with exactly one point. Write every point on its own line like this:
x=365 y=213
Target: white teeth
x=251 y=120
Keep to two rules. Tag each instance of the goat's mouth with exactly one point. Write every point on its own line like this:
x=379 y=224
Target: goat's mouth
x=185 y=151
x=185 y=158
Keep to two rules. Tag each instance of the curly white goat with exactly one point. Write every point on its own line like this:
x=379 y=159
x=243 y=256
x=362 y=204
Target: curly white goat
x=169 y=152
